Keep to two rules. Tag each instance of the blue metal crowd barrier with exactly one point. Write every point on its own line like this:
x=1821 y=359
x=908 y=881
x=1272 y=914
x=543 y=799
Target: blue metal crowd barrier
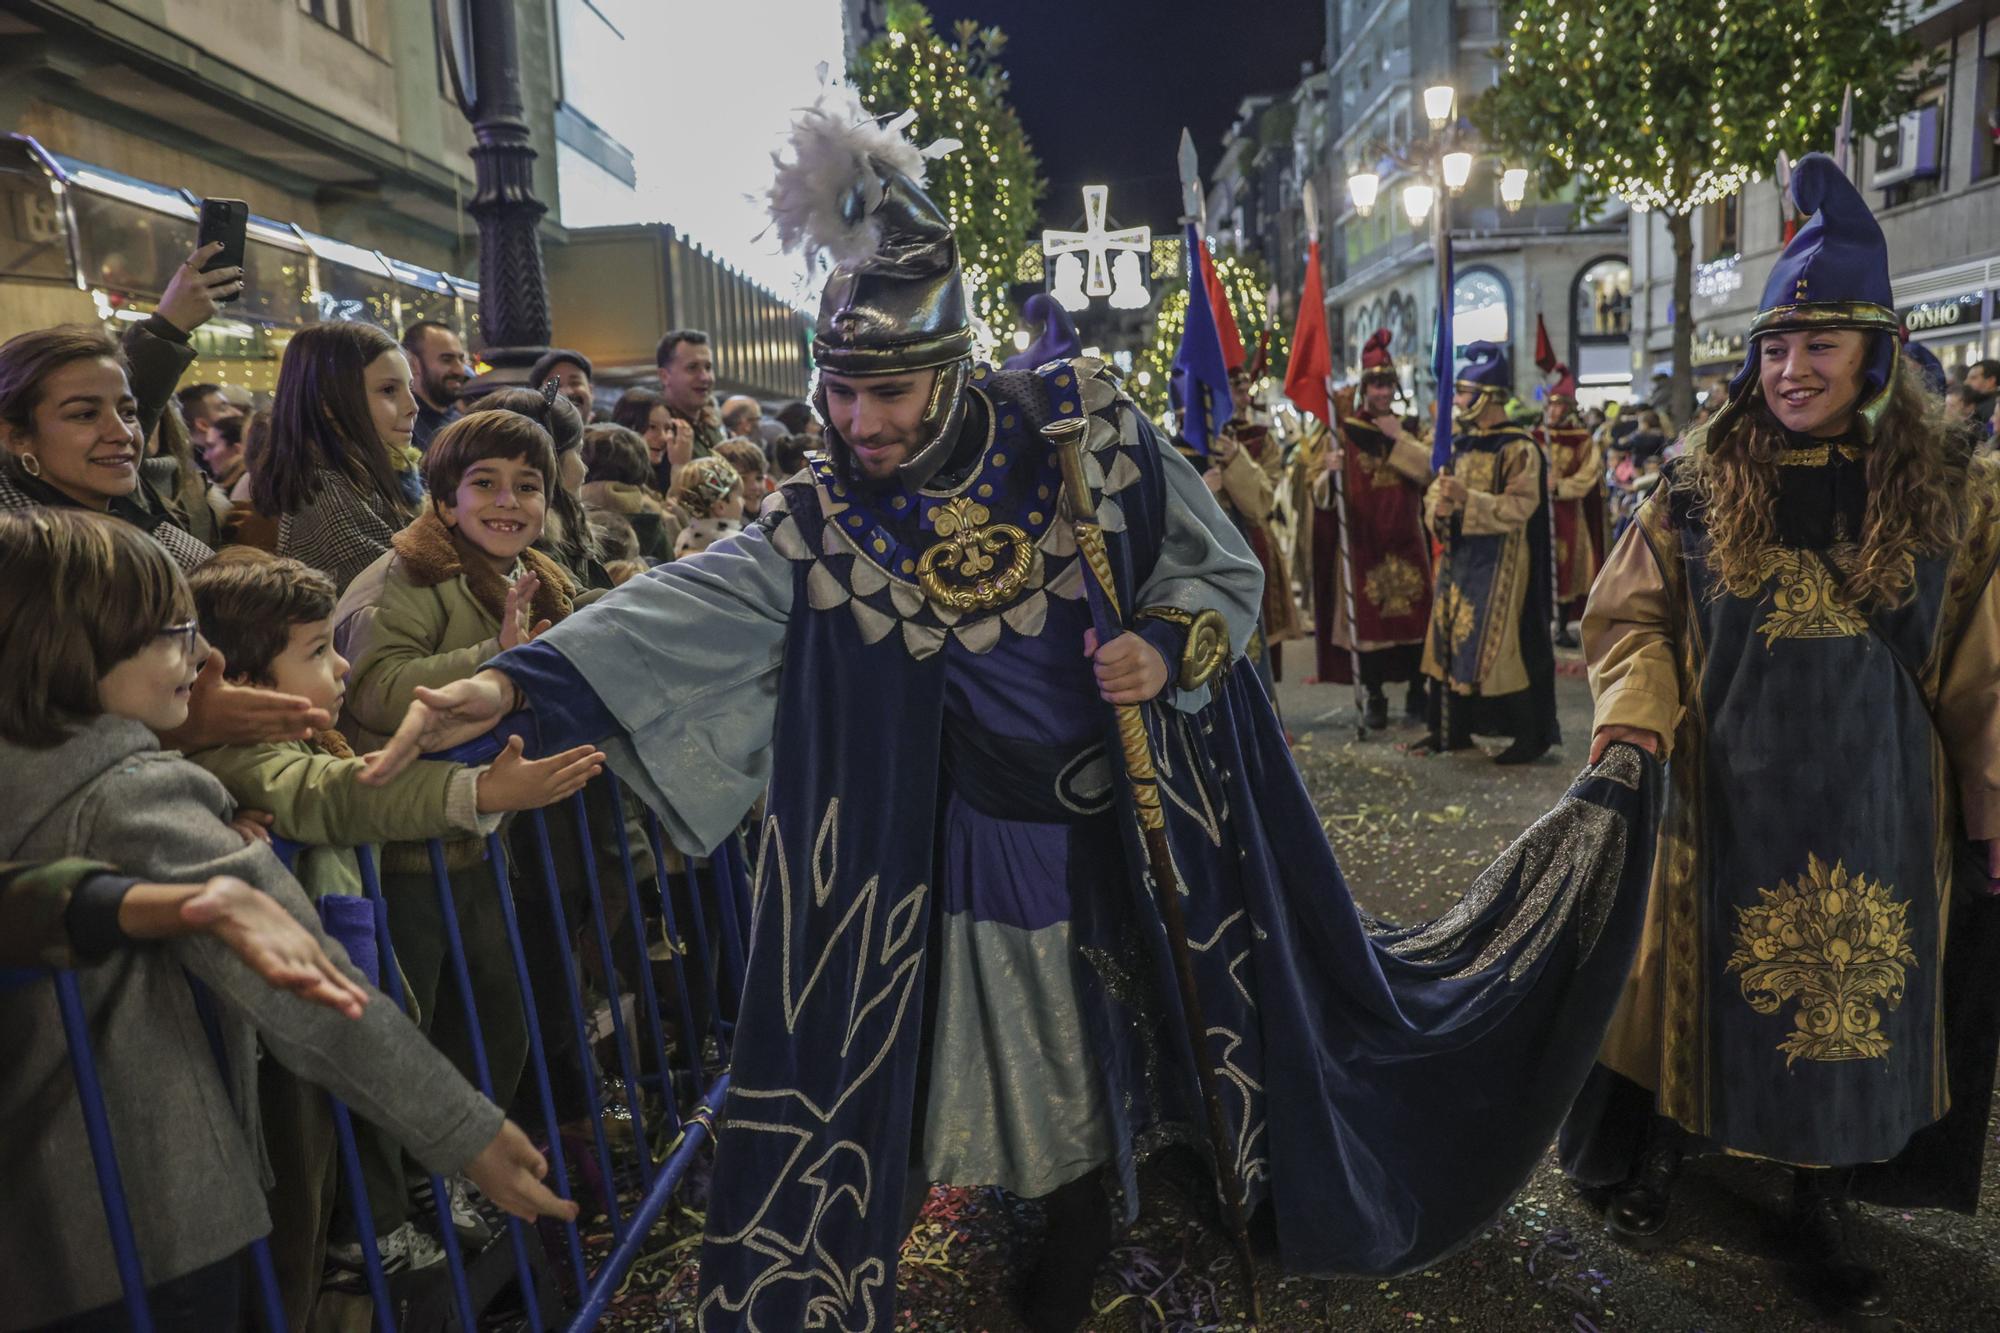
x=685 y=1085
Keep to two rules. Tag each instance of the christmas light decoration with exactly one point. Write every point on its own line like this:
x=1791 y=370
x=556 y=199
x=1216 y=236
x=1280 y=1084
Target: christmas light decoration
x=1129 y=293
x=1676 y=104
x=992 y=188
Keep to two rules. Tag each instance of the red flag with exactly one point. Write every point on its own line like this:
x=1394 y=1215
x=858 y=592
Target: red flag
x=1233 y=354
x=1545 y=351
x=1312 y=352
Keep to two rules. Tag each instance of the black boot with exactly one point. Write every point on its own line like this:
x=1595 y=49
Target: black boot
x=1056 y=1296
x=1833 y=1270
x=1566 y=638
x=1521 y=752
x=1637 y=1213
x=1375 y=716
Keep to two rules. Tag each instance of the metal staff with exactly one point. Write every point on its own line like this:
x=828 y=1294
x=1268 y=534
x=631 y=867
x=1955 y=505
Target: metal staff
x=1311 y=203
x=1347 y=584
x=1137 y=750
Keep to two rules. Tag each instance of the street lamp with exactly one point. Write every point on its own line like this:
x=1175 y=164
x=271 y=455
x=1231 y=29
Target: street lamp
x=1513 y=187
x=1362 y=187
x=1417 y=201
x=1438 y=101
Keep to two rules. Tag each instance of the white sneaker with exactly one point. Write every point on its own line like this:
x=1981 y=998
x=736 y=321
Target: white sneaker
x=472 y=1228
x=406 y=1249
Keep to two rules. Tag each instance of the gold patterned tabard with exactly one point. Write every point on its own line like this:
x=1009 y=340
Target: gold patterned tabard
x=1840 y=945
x=958 y=571
x=1805 y=599
x=1394 y=585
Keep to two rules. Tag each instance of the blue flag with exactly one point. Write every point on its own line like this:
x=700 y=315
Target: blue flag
x=1442 y=363
x=1200 y=377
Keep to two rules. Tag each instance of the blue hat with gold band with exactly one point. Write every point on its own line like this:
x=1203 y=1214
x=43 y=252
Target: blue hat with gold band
x=1488 y=373
x=1833 y=275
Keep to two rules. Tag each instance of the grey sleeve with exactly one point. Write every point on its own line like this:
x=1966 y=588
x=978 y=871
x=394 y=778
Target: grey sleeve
x=379 y=1064
x=686 y=658
x=1204 y=564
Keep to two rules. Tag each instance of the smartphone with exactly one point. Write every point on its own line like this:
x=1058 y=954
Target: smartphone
x=223 y=220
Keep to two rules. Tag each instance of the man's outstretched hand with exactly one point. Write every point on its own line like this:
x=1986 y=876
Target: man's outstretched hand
x=440 y=719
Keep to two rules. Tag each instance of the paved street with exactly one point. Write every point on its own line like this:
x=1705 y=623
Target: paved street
x=1409 y=833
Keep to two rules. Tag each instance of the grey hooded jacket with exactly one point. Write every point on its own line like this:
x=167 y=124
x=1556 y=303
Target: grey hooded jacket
x=193 y=1163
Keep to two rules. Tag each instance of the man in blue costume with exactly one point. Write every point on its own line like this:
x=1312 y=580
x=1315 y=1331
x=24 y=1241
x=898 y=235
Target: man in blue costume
x=1806 y=616
x=959 y=972
x=1489 y=647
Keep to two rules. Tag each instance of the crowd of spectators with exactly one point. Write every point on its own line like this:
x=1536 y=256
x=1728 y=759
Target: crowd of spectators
x=211 y=608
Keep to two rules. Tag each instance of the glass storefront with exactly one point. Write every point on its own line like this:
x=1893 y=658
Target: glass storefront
x=113 y=242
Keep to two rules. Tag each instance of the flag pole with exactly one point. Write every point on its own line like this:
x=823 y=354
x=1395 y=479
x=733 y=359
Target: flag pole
x=1340 y=517
x=1442 y=359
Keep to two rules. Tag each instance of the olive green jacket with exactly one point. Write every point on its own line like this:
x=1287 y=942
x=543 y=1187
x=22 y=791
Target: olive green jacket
x=316 y=798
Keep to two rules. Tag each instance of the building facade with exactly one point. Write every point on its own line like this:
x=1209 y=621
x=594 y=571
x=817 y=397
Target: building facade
x=1934 y=182
x=1542 y=262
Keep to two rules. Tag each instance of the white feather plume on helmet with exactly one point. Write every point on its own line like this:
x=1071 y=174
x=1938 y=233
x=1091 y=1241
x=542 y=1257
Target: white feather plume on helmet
x=823 y=200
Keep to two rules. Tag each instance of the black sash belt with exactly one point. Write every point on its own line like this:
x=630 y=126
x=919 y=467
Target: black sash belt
x=1020 y=780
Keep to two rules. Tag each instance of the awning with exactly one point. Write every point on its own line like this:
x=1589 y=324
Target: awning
x=63 y=220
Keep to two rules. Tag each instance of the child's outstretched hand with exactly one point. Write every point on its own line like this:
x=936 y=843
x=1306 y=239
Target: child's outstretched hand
x=514 y=783
x=270 y=943
x=517 y=625
x=509 y=1171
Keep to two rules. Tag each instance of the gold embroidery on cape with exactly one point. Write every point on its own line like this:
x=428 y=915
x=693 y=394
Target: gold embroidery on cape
x=1477 y=468
x=968 y=548
x=1805 y=600
x=1840 y=944
x=1455 y=616
x=1393 y=585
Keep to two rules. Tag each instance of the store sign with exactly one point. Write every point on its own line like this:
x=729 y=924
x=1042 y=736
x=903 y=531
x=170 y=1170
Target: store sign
x=1955 y=313
x=1716 y=347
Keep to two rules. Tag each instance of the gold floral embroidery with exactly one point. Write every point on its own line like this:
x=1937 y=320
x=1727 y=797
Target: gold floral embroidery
x=1840 y=943
x=1393 y=585
x=1455 y=616
x=1476 y=468
x=1805 y=600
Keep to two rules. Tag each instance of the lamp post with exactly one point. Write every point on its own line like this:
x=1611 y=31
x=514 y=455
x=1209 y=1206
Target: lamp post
x=482 y=51
x=1441 y=165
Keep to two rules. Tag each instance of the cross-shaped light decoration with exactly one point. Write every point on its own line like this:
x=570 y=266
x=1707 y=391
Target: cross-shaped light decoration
x=1098 y=244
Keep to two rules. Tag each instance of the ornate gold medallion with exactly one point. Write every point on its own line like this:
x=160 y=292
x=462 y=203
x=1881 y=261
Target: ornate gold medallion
x=1393 y=585
x=1840 y=943
x=1805 y=599
x=958 y=570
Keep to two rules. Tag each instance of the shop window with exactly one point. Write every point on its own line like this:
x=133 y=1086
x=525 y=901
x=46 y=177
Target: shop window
x=1604 y=299
x=1722 y=228
x=1479 y=307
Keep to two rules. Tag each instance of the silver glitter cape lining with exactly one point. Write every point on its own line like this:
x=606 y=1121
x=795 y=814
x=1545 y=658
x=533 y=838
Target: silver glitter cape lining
x=1567 y=863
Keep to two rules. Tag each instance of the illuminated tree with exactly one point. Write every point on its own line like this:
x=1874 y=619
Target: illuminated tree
x=1672 y=104
x=991 y=189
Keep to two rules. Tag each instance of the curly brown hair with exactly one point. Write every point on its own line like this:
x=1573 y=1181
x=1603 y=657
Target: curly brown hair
x=1917 y=481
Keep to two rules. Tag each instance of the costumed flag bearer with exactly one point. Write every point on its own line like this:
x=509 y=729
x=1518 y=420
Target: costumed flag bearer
x=1385 y=465
x=1488 y=645
x=1039 y=890
x=1805 y=616
x=1576 y=501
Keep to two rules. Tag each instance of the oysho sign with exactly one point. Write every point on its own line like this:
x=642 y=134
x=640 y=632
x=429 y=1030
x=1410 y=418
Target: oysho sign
x=1956 y=312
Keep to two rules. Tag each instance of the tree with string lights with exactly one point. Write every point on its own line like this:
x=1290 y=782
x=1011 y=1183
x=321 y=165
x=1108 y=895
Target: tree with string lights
x=1673 y=104
x=991 y=189
x=1246 y=282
